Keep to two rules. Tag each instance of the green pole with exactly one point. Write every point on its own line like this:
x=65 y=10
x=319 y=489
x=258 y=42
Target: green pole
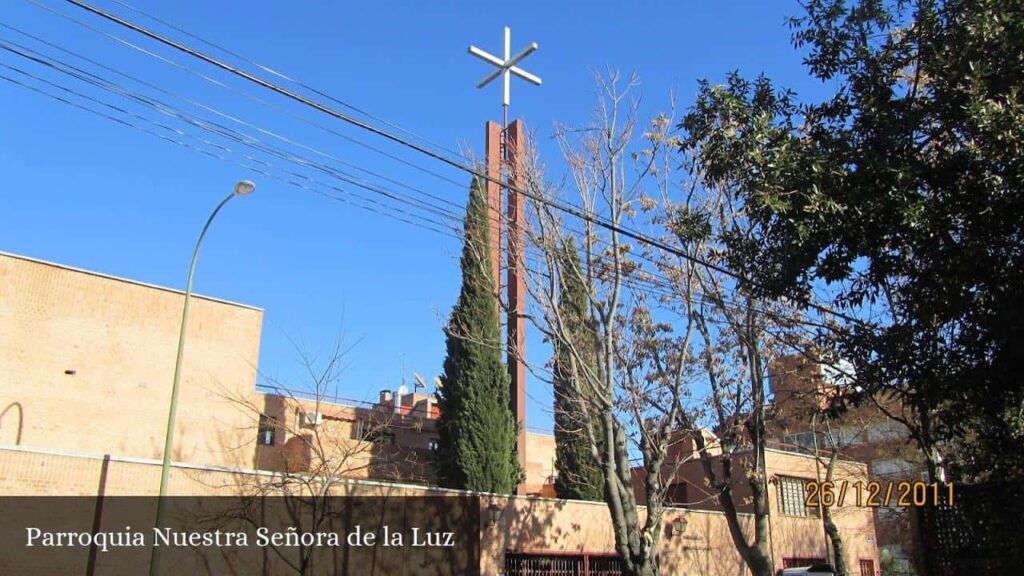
x=242 y=188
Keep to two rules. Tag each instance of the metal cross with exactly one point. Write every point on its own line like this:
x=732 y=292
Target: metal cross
x=506 y=65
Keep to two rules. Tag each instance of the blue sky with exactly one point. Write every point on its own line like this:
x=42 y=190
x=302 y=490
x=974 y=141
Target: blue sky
x=82 y=190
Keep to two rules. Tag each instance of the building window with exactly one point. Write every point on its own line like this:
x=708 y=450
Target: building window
x=803 y=439
x=382 y=438
x=887 y=430
x=433 y=444
x=792 y=495
x=265 y=436
x=526 y=564
x=801 y=562
x=367 y=431
x=676 y=495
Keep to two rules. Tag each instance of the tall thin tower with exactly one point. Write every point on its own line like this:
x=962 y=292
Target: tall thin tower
x=503 y=162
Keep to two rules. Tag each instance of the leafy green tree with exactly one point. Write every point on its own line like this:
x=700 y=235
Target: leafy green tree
x=900 y=196
x=477 y=431
x=579 y=472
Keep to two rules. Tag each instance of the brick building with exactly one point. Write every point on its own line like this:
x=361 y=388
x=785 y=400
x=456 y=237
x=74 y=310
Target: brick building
x=802 y=389
x=85 y=369
x=86 y=362
x=789 y=472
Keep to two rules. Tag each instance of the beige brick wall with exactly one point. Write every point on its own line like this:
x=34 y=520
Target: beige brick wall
x=540 y=464
x=119 y=338
x=528 y=524
x=354 y=442
x=792 y=536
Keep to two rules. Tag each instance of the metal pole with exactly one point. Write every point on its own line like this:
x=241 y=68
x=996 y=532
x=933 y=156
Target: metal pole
x=165 y=468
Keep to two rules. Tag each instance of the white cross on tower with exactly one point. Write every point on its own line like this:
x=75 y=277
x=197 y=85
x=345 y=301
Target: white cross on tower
x=506 y=66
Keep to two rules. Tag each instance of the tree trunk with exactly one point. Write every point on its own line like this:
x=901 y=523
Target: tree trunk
x=757 y=556
x=637 y=557
x=836 y=539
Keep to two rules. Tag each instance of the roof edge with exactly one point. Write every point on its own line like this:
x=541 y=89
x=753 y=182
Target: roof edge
x=126 y=280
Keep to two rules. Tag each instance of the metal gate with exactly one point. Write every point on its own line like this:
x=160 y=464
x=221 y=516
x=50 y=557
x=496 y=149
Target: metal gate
x=523 y=564
x=977 y=533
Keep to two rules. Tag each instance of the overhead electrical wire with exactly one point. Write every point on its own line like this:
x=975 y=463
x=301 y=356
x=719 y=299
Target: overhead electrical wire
x=561 y=206
x=537 y=370
x=649 y=286
x=186 y=145
x=652 y=286
x=216 y=82
x=285 y=77
x=219 y=130
x=217 y=112
x=261 y=169
x=164 y=108
x=265 y=168
x=119 y=40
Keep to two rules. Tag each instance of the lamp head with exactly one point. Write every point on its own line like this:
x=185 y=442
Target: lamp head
x=494 y=512
x=244 y=187
x=677 y=527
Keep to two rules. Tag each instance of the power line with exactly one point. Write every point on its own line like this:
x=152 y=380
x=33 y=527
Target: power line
x=501 y=217
x=650 y=286
x=653 y=285
x=164 y=107
x=569 y=209
x=534 y=368
x=96 y=81
x=243 y=93
x=283 y=76
x=221 y=131
x=261 y=171
x=218 y=112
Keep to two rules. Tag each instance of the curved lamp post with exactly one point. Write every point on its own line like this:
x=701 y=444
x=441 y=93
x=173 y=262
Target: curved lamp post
x=241 y=189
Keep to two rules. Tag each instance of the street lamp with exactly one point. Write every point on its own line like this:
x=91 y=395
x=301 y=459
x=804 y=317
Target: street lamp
x=678 y=526
x=494 y=512
x=242 y=188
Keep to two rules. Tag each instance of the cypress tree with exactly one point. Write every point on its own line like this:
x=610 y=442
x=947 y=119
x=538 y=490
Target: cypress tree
x=476 y=427
x=579 y=474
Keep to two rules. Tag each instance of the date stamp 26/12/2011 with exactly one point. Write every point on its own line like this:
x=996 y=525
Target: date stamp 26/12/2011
x=875 y=494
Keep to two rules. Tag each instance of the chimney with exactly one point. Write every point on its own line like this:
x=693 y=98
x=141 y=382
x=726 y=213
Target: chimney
x=399 y=395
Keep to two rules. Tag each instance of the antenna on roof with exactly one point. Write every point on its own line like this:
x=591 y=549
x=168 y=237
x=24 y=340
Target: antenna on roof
x=419 y=381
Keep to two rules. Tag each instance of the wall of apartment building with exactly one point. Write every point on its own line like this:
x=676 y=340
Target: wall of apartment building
x=856 y=523
x=373 y=441
x=540 y=465
x=863 y=432
x=354 y=442
x=86 y=364
x=798 y=391
x=802 y=530
x=529 y=525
